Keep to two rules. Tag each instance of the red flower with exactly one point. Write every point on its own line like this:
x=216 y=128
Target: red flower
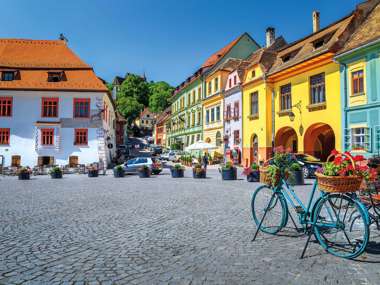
x=334 y=152
x=338 y=160
x=347 y=153
x=358 y=158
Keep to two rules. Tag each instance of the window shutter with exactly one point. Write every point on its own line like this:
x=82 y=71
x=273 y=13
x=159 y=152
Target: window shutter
x=367 y=139
x=377 y=138
x=347 y=139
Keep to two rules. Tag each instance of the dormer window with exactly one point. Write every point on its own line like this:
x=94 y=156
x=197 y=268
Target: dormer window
x=56 y=76
x=290 y=55
x=8 y=76
x=319 y=43
x=253 y=74
x=286 y=58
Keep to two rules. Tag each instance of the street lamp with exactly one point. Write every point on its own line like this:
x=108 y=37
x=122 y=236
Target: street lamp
x=292 y=116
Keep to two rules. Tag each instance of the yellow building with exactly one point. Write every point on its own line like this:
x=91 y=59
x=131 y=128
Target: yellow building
x=299 y=96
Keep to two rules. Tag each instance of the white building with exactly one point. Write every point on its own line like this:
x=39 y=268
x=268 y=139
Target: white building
x=53 y=108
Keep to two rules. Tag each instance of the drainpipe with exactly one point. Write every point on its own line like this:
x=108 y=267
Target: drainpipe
x=273 y=119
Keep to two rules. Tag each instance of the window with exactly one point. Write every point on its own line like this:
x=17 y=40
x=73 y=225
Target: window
x=235 y=79
x=216 y=84
x=81 y=137
x=188 y=99
x=49 y=107
x=192 y=139
x=198 y=137
x=229 y=82
x=357 y=82
x=6 y=106
x=81 y=108
x=16 y=160
x=4 y=136
x=236 y=110
x=228 y=112
x=193 y=119
x=55 y=76
x=218 y=139
x=207 y=116
x=360 y=138
x=47 y=136
x=8 y=76
x=286 y=97
x=236 y=137
x=209 y=90
x=193 y=99
x=199 y=93
x=212 y=115
x=218 y=113
x=317 y=89
x=253 y=73
x=255 y=103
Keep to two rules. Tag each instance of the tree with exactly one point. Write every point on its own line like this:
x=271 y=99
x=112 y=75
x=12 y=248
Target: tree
x=160 y=96
x=135 y=86
x=129 y=107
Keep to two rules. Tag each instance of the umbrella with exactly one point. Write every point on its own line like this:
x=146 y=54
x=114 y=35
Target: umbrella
x=200 y=145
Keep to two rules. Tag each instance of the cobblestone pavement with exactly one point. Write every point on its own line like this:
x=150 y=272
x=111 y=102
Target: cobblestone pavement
x=153 y=231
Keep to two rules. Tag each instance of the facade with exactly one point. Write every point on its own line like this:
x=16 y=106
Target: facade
x=257 y=102
x=160 y=128
x=360 y=77
x=186 y=119
x=146 y=121
x=52 y=106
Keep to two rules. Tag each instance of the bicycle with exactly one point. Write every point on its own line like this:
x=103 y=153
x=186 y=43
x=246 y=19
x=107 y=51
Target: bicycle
x=329 y=218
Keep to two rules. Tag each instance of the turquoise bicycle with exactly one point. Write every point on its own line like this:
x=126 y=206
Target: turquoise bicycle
x=339 y=221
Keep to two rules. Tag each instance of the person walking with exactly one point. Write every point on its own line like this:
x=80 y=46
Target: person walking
x=205 y=160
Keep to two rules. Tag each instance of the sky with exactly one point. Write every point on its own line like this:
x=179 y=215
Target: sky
x=167 y=40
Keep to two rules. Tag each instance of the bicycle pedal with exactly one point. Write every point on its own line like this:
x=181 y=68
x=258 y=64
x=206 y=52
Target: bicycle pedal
x=299 y=209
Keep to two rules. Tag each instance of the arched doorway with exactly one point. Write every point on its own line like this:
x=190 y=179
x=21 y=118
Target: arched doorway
x=319 y=140
x=254 y=148
x=287 y=138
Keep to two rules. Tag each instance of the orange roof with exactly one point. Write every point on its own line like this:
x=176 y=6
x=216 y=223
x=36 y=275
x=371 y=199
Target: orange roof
x=33 y=59
x=220 y=53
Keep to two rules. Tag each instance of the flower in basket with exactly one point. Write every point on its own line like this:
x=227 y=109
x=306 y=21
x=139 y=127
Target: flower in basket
x=24 y=170
x=55 y=170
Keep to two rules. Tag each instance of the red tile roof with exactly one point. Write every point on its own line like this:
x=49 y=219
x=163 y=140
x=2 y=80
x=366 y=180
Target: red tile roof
x=33 y=59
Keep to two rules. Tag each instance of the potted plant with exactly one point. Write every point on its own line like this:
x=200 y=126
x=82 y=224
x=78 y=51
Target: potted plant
x=345 y=173
x=199 y=171
x=93 y=171
x=56 y=172
x=24 y=173
x=118 y=171
x=177 y=171
x=252 y=173
x=295 y=174
x=144 y=171
x=228 y=171
x=156 y=168
x=278 y=167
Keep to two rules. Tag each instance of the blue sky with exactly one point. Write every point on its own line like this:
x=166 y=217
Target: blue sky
x=166 y=39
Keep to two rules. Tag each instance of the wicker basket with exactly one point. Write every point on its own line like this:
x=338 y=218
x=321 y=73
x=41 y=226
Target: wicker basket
x=264 y=176
x=339 y=184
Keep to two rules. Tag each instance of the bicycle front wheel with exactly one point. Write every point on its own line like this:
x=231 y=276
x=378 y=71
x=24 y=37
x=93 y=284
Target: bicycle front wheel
x=264 y=199
x=335 y=228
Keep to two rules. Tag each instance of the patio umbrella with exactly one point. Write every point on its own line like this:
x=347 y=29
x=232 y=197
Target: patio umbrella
x=200 y=145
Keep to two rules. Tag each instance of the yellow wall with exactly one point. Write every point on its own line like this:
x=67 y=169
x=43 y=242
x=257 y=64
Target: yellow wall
x=210 y=130
x=300 y=90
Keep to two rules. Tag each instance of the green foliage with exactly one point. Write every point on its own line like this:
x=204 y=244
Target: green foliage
x=295 y=167
x=331 y=169
x=55 y=170
x=274 y=173
x=227 y=166
x=137 y=87
x=254 y=166
x=160 y=94
x=129 y=107
x=178 y=167
x=119 y=168
x=175 y=146
x=109 y=86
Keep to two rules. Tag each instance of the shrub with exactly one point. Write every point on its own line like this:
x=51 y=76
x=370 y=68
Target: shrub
x=227 y=166
x=55 y=170
x=254 y=166
x=178 y=167
x=119 y=168
x=23 y=170
x=295 y=166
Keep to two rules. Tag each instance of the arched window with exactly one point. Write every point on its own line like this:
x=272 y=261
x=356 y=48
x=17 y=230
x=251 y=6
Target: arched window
x=218 y=139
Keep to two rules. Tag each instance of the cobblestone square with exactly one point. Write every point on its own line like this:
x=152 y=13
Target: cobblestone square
x=154 y=231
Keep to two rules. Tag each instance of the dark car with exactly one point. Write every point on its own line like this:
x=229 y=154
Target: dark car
x=310 y=164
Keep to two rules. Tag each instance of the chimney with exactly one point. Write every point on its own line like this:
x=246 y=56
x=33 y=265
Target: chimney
x=270 y=36
x=316 y=21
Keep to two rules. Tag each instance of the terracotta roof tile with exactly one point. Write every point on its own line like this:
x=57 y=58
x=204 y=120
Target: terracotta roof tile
x=33 y=59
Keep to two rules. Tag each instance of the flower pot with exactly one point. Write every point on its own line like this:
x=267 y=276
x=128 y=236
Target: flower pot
x=144 y=173
x=156 y=171
x=93 y=173
x=177 y=173
x=56 y=175
x=296 y=178
x=118 y=173
x=254 y=176
x=199 y=175
x=229 y=174
x=24 y=176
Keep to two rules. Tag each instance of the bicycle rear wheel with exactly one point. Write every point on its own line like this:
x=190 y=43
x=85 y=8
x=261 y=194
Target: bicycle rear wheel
x=334 y=228
x=265 y=199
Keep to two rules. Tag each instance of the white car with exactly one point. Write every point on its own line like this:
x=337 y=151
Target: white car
x=132 y=165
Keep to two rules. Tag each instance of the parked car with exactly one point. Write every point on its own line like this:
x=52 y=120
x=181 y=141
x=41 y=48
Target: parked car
x=174 y=156
x=155 y=149
x=132 y=165
x=310 y=164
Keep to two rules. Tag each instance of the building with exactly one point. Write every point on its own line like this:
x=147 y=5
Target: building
x=256 y=97
x=305 y=81
x=53 y=108
x=360 y=87
x=233 y=104
x=146 y=121
x=160 y=128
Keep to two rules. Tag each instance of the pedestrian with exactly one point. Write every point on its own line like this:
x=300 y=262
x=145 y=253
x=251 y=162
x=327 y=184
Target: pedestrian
x=205 y=160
